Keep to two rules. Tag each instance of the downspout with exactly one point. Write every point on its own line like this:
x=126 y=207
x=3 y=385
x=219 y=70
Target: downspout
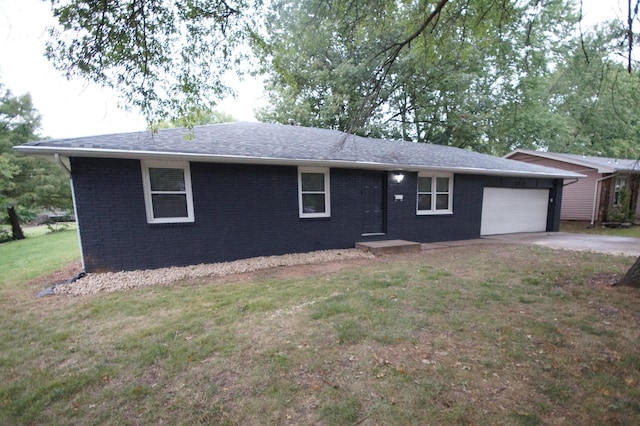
x=595 y=197
x=75 y=209
x=61 y=164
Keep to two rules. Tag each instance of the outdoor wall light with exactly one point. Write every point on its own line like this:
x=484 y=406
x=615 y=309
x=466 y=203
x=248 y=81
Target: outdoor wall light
x=398 y=177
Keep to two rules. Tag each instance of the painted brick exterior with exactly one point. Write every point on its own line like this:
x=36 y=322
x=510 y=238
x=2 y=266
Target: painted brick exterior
x=244 y=211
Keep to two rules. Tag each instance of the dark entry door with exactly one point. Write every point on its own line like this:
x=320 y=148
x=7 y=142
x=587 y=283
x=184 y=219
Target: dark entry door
x=373 y=216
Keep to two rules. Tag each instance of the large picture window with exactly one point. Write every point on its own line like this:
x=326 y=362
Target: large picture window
x=313 y=192
x=435 y=193
x=167 y=192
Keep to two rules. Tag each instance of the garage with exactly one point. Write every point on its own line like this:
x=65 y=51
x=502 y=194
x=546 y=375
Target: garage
x=512 y=210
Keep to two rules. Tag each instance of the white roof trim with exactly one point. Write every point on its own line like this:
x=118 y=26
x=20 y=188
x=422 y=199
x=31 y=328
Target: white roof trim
x=182 y=156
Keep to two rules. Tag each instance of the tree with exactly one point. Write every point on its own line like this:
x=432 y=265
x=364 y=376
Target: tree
x=198 y=119
x=166 y=57
x=25 y=182
x=632 y=277
x=450 y=73
x=598 y=99
x=320 y=61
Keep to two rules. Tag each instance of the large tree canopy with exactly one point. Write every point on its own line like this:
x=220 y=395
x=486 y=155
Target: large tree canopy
x=166 y=57
x=490 y=76
x=472 y=73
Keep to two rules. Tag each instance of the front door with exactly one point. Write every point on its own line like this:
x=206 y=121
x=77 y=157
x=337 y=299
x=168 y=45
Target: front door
x=373 y=216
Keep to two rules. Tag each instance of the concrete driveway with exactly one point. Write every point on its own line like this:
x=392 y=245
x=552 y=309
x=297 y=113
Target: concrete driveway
x=624 y=246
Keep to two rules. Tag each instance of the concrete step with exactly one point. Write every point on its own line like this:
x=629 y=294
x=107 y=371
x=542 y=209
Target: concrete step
x=389 y=246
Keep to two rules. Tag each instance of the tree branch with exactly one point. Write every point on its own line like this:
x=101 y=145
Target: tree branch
x=370 y=100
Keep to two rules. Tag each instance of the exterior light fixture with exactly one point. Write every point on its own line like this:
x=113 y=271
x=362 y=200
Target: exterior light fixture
x=397 y=177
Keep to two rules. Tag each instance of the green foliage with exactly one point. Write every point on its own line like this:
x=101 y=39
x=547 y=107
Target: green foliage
x=29 y=183
x=479 y=74
x=622 y=212
x=5 y=236
x=321 y=63
x=478 y=70
x=166 y=57
x=197 y=119
x=488 y=76
x=57 y=227
x=597 y=98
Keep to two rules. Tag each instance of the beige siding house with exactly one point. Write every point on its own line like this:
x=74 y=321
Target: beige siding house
x=596 y=196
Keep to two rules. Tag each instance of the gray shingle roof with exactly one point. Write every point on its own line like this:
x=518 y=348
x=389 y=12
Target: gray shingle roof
x=249 y=142
x=617 y=164
x=602 y=164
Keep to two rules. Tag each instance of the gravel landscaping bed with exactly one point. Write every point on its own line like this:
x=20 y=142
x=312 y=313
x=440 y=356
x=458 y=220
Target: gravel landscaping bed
x=118 y=281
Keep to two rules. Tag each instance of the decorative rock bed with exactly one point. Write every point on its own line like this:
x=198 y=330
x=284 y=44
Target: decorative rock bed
x=119 y=281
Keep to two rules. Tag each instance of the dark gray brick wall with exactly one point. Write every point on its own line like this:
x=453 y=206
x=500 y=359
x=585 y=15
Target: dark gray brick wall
x=244 y=211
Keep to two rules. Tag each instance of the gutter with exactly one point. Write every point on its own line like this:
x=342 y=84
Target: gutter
x=595 y=196
x=64 y=166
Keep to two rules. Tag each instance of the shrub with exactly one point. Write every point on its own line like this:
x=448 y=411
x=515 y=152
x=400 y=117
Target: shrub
x=5 y=236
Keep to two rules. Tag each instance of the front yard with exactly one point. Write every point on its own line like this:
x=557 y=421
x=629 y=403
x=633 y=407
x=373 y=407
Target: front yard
x=482 y=334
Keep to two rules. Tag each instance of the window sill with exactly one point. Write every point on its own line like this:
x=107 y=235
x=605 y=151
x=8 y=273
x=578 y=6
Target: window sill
x=314 y=218
x=442 y=213
x=170 y=224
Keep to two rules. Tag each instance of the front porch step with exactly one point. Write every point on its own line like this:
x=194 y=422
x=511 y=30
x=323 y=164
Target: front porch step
x=389 y=246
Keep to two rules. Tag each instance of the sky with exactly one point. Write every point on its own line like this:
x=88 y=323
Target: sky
x=77 y=108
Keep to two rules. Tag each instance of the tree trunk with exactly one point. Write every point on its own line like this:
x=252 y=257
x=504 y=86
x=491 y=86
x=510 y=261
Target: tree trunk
x=632 y=277
x=16 y=229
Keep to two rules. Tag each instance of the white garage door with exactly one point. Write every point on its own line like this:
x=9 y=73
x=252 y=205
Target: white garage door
x=509 y=210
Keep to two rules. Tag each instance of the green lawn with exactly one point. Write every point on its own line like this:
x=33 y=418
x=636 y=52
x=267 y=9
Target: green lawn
x=484 y=334
x=583 y=228
x=40 y=253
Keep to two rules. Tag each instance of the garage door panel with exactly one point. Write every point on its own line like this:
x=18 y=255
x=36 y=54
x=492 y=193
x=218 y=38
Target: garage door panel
x=510 y=210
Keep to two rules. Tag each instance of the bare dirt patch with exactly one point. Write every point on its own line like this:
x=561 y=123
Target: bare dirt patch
x=603 y=280
x=60 y=276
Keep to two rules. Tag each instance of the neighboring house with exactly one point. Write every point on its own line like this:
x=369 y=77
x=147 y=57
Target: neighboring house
x=593 y=198
x=237 y=190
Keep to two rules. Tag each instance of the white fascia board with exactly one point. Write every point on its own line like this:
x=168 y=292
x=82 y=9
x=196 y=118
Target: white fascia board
x=209 y=158
x=561 y=158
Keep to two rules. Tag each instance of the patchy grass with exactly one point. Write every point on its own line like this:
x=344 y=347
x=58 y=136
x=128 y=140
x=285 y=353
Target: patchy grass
x=491 y=334
x=580 y=227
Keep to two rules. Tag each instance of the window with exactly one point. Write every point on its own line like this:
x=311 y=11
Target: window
x=167 y=192
x=620 y=185
x=313 y=192
x=435 y=194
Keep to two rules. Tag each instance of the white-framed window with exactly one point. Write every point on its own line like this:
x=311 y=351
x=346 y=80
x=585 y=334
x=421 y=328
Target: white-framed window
x=313 y=192
x=435 y=193
x=167 y=191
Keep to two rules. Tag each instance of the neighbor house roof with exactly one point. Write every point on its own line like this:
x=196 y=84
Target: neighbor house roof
x=601 y=164
x=261 y=143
